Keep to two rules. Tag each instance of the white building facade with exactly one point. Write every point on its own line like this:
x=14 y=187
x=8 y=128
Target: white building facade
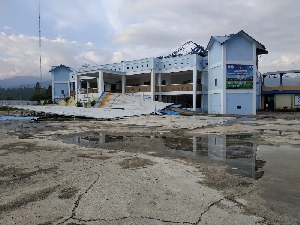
x=222 y=81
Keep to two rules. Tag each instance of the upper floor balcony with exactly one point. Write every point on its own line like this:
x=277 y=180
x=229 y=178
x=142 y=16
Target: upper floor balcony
x=135 y=66
x=280 y=88
x=164 y=88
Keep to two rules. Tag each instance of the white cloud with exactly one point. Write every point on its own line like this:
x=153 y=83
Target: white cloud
x=21 y=54
x=109 y=31
x=8 y=28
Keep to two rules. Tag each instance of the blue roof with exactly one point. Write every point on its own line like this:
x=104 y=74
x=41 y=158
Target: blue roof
x=223 y=39
x=61 y=65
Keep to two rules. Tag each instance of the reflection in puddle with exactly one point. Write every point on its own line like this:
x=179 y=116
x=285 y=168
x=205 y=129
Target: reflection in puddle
x=279 y=132
x=241 y=119
x=17 y=118
x=238 y=151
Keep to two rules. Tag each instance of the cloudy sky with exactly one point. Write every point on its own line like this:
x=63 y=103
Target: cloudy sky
x=75 y=32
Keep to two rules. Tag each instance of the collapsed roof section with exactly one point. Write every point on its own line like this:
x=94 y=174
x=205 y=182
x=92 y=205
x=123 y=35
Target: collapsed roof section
x=187 y=48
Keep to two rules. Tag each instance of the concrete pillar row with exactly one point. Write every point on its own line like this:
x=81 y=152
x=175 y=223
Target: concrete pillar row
x=159 y=87
x=123 y=84
x=194 y=87
x=153 y=85
x=100 y=82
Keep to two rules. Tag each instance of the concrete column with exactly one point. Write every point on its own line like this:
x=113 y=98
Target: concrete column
x=52 y=76
x=123 y=83
x=69 y=84
x=159 y=87
x=263 y=80
x=202 y=96
x=153 y=85
x=100 y=82
x=281 y=78
x=77 y=86
x=194 y=87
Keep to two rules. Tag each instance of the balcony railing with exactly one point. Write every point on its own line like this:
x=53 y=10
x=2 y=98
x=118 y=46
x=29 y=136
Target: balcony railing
x=280 y=88
x=136 y=89
x=164 y=88
x=89 y=91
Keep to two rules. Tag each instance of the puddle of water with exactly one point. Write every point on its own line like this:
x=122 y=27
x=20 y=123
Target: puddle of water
x=17 y=118
x=241 y=119
x=280 y=185
x=275 y=168
x=279 y=132
x=236 y=151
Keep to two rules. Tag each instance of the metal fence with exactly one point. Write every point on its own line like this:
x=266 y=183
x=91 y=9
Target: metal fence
x=17 y=102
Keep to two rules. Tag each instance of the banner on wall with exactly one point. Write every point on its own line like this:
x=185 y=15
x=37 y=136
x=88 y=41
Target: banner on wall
x=239 y=76
x=297 y=100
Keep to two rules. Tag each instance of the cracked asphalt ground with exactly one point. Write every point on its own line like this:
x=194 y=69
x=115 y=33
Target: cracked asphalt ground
x=47 y=178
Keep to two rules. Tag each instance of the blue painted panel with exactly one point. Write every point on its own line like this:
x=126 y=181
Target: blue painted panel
x=215 y=73
x=233 y=100
x=215 y=53
x=215 y=103
x=58 y=90
x=61 y=74
x=239 y=49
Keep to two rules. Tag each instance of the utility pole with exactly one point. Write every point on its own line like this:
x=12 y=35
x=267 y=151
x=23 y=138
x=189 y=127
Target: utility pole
x=40 y=42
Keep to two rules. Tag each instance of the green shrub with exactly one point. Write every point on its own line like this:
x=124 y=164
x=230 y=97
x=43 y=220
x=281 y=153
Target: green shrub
x=93 y=102
x=78 y=104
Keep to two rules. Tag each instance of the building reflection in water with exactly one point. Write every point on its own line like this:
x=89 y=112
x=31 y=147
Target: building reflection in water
x=237 y=151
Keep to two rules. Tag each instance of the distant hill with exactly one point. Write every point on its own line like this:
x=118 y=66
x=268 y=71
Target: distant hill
x=16 y=82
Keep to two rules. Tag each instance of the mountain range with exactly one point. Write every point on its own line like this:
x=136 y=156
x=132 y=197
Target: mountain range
x=16 y=82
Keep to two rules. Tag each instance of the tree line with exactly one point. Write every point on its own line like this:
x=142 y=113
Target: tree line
x=36 y=93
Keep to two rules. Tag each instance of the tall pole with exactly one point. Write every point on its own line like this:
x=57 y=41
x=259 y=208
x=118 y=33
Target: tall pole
x=40 y=42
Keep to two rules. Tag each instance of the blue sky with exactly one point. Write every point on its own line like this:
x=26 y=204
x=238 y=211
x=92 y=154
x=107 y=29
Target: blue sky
x=75 y=32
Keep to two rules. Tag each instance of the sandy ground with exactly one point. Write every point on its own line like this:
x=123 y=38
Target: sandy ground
x=51 y=174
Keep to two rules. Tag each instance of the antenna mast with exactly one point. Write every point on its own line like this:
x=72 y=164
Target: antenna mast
x=40 y=42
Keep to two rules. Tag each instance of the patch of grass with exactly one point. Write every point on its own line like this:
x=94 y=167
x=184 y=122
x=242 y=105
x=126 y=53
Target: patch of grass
x=27 y=198
x=136 y=162
x=17 y=174
x=91 y=156
x=18 y=147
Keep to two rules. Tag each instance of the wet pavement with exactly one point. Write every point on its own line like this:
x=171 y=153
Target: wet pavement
x=253 y=162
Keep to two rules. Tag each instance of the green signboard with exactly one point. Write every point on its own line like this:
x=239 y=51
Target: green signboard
x=239 y=76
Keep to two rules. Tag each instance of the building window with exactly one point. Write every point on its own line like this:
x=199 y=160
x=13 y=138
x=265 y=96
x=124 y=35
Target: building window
x=62 y=92
x=216 y=82
x=239 y=107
